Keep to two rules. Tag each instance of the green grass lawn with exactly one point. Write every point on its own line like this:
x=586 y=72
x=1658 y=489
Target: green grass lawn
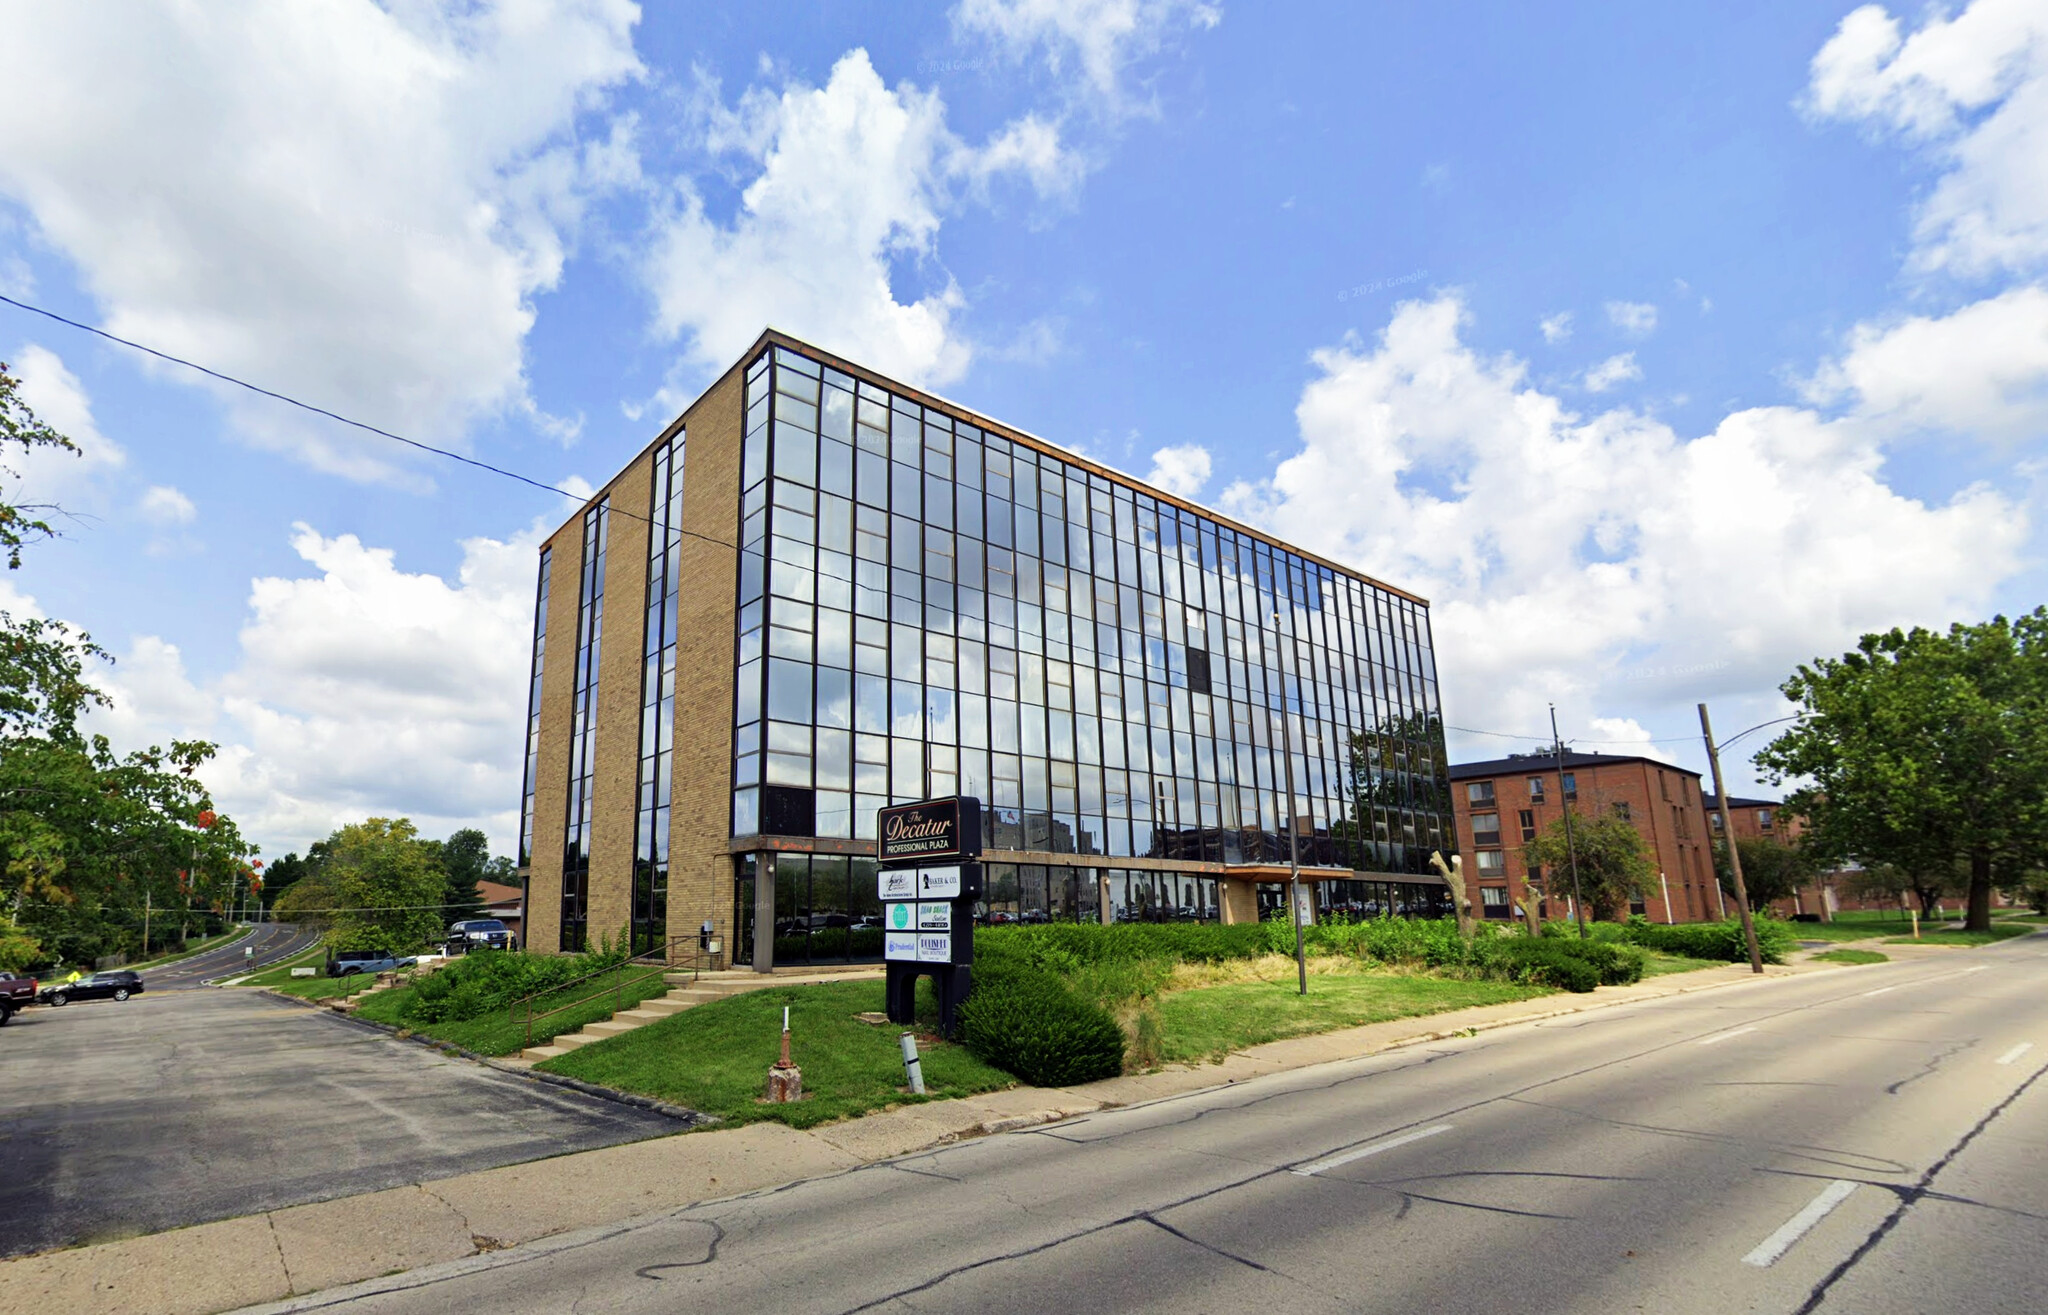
x=497 y=1034
x=1953 y=934
x=1658 y=964
x=279 y=975
x=715 y=1057
x=1856 y=926
x=1851 y=956
x=1211 y=1021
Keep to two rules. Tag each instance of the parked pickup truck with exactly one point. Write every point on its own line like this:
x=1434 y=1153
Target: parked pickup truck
x=348 y=963
x=15 y=992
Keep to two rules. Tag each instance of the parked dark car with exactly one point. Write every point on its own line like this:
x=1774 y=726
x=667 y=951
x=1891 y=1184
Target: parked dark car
x=350 y=962
x=115 y=984
x=15 y=992
x=480 y=934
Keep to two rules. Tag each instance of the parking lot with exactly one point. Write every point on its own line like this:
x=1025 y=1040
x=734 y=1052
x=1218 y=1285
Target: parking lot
x=181 y=1107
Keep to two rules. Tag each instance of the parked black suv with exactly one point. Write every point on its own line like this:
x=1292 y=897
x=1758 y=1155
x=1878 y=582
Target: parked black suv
x=479 y=934
x=115 y=984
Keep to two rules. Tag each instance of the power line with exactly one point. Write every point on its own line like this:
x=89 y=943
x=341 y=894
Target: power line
x=337 y=416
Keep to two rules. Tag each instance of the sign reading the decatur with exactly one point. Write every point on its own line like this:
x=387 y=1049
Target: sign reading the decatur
x=937 y=828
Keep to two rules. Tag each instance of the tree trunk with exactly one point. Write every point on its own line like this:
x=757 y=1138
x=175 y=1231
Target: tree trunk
x=1980 y=893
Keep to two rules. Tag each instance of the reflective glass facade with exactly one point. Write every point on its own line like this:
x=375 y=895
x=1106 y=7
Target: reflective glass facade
x=575 y=915
x=649 y=921
x=925 y=608
x=540 y=652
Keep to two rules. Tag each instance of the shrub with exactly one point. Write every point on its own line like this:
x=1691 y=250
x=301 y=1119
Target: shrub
x=1024 y=1020
x=1572 y=965
x=1714 y=940
x=480 y=982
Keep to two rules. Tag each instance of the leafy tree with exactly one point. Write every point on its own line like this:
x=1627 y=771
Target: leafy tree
x=88 y=836
x=1614 y=866
x=20 y=428
x=1771 y=869
x=380 y=888
x=466 y=859
x=1923 y=750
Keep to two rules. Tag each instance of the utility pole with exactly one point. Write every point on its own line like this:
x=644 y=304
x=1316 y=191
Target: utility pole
x=1756 y=957
x=1571 y=846
x=145 y=924
x=1293 y=825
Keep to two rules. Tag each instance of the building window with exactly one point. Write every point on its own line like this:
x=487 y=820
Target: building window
x=583 y=729
x=1621 y=811
x=649 y=929
x=1528 y=821
x=1714 y=821
x=1535 y=789
x=540 y=636
x=1486 y=828
x=1493 y=901
x=1763 y=819
x=1571 y=785
x=1663 y=787
x=1479 y=792
x=1491 y=862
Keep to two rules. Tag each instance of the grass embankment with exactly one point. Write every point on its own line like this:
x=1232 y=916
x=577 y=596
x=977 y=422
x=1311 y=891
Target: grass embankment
x=1656 y=963
x=1953 y=934
x=715 y=1057
x=278 y=977
x=497 y=1033
x=1852 y=956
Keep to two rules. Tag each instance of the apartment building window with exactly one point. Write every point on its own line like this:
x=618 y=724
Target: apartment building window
x=1714 y=822
x=1621 y=811
x=1535 y=789
x=1528 y=820
x=1486 y=828
x=1493 y=901
x=1479 y=792
x=1492 y=863
x=1664 y=787
x=1571 y=785
x=1763 y=819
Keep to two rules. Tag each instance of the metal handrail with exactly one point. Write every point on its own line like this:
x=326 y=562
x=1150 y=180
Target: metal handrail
x=618 y=986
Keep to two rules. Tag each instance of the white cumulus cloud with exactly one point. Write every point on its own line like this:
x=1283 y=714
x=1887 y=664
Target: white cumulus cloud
x=165 y=505
x=1614 y=370
x=1567 y=554
x=1556 y=328
x=349 y=202
x=1972 y=89
x=1632 y=317
x=47 y=475
x=849 y=179
x=1181 y=470
x=1092 y=43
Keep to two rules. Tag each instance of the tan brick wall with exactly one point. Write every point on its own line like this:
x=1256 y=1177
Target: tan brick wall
x=618 y=702
x=700 y=867
x=551 y=765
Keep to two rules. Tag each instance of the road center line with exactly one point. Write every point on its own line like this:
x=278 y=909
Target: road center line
x=1778 y=1243
x=1708 y=1041
x=1881 y=990
x=2018 y=1050
x=1332 y=1161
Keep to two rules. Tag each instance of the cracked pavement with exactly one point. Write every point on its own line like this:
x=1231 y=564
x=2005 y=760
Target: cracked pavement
x=1825 y=1149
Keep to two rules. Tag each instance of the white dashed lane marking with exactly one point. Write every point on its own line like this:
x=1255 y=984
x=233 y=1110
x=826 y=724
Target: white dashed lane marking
x=1799 y=1225
x=1345 y=1157
x=1708 y=1041
x=2013 y=1054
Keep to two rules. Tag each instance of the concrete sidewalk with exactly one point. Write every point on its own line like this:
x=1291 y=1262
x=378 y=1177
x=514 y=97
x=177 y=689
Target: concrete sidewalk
x=303 y=1249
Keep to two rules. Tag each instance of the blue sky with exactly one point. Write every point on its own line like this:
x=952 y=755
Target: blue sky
x=1661 y=346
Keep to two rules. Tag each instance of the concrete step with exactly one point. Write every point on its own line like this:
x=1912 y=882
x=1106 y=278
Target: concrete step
x=574 y=1040
x=685 y=996
x=659 y=1007
x=534 y=1054
x=611 y=1027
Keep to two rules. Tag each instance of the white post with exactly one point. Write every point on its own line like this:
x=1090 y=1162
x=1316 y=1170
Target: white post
x=1667 y=895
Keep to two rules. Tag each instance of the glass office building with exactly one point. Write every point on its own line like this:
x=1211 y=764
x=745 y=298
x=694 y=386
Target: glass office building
x=1158 y=707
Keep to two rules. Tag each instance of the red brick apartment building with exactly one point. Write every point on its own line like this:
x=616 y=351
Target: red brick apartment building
x=1766 y=819
x=1505 y=802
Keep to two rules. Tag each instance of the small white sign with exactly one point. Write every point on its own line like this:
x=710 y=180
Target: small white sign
x=902 y=917
x=305 y=972
x=900 y=945
x=899 y=884
x=934 y=947
x=935 y=917
x=938 y=883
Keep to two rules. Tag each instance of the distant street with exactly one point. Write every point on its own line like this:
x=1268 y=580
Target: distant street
x=177 y=1108
x=1870 y=1141
x=273 y=942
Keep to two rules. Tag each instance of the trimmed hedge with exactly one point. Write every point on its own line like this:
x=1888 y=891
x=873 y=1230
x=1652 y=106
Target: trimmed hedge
x=1022 y=1018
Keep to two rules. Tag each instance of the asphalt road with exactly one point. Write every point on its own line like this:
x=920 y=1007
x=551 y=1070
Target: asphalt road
x=1869 y=1141
x=182 y=1107
x=272 y=941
